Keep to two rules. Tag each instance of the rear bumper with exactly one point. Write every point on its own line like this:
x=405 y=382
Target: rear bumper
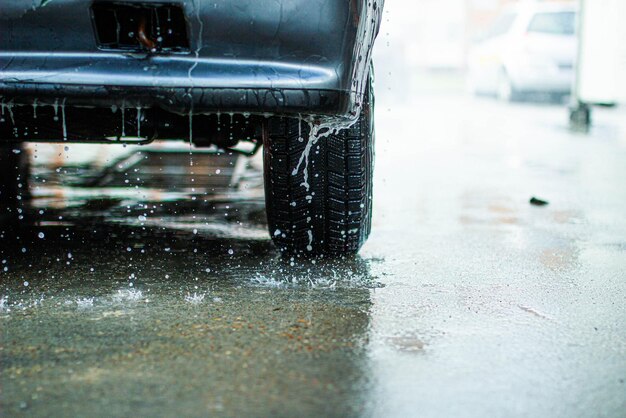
x=285 y=57
x=177 y=84
x=549 y=79
x=182 y=100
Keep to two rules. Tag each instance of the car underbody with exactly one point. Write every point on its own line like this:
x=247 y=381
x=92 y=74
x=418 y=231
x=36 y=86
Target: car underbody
x=165 y=61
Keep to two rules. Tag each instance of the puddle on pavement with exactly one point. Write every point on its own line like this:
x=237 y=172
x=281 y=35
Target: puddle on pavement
x=140 y=272
x=148 y=222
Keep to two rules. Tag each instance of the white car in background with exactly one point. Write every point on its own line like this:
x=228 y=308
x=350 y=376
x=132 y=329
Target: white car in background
x=529 y=49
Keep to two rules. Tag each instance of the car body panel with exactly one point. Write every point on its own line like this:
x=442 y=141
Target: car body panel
x=284 y=57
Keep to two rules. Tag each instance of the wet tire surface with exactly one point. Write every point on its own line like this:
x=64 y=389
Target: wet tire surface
x=319 y=200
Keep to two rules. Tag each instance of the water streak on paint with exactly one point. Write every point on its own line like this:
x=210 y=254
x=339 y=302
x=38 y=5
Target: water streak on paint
x=198 y=39
x=63 y=120
x=138 y=121
x=56 y=109
x=123 y=108
x=9 y=108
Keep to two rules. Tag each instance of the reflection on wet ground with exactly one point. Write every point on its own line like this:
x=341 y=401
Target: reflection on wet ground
x=151 y=285
x=142 y=281
x=130 y=318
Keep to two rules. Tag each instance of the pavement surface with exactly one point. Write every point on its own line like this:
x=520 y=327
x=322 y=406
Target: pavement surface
x=142 y=285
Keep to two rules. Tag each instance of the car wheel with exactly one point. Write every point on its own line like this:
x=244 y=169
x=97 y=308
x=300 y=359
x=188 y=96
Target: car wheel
x=505 y=90
x=580 y=116
x=13 y=182
x=320 y=205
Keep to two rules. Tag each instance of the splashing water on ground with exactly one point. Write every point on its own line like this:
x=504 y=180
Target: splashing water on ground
x=128 y=295
x=196 y=298
x=85 y=303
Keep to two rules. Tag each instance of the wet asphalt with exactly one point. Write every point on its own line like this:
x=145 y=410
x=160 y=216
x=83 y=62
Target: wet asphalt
x=139 y=284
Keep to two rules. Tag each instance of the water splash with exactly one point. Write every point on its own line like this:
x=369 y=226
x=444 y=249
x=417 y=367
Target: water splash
x=268 y=281
x=195 y=299
x=84 y=303
x=128 y=295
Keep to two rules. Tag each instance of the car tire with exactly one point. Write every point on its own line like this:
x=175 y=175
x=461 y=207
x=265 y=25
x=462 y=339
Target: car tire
x=14 y=173
x=505 y=90
x=580 y=116
x=332 y=217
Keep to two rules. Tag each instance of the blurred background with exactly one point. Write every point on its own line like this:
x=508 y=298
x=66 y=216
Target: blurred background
x=516 y=50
